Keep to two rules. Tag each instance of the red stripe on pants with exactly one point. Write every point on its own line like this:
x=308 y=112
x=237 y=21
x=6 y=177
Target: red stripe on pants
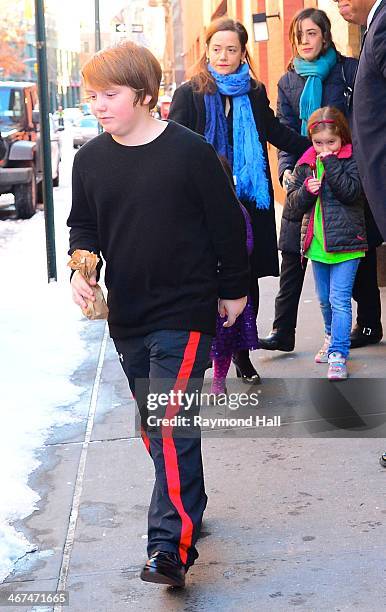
x=169 y=449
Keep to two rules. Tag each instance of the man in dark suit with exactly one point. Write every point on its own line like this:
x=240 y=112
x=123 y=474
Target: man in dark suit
x=368 y=123
x=2 y=147
x=369 y=117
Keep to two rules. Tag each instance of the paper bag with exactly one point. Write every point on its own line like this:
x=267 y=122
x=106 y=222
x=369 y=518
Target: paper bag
x=86 y=263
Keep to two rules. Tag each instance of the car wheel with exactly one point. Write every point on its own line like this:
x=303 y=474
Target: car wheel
x=26 y=198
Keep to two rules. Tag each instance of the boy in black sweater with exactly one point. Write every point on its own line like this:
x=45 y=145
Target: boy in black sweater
x=153 y=199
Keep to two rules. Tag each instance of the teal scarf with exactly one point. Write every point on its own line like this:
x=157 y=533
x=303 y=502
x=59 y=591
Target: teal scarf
x=316 y=72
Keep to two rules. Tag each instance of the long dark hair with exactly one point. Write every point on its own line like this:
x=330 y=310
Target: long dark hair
x=200 y=75
x=320 y=19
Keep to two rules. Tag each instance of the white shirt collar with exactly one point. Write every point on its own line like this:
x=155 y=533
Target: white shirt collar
x=371 y=14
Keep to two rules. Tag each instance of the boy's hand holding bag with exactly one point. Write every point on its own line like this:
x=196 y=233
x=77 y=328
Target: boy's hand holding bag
x=86 y=263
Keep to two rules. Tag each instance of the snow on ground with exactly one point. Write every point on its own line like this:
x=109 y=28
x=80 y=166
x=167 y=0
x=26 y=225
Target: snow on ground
x=40 y=347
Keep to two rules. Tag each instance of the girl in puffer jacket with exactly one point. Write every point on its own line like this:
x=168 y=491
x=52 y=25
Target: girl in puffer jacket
x=327 y=190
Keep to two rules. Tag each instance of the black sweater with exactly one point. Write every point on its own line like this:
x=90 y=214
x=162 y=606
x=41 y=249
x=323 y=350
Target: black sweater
x=163 y=215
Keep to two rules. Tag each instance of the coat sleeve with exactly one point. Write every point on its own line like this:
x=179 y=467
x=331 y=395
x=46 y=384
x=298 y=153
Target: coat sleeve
x=82 y=220
x=287 y=117
x=179 y=107
x=280 y=135
x=224 y=220
x=343 y=180
x=298 y=198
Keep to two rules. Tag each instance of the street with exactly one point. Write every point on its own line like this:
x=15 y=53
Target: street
x=293 y=521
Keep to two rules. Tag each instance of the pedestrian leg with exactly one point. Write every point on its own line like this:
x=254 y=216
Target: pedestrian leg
x=321 y=273
x=342 y=280
x=177 y=362
x=287 y=300
x=135 y=360
x=220 y=371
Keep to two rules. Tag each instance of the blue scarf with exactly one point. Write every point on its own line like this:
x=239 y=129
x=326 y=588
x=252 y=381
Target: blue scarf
x=315 y=71
x=247 y=157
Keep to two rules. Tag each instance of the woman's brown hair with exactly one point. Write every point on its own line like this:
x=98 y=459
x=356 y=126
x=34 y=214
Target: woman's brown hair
x=320 y=19
x=331 y=119
x=200 y=75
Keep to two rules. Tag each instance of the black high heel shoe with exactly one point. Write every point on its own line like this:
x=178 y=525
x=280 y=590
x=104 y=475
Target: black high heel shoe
x=245 y=369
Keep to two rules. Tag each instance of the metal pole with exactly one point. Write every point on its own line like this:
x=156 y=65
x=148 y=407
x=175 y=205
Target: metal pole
x=97 y=28
x=98 y=43
x=45 y=140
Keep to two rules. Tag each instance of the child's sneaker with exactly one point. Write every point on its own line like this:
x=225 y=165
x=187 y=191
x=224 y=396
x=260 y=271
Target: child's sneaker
x=337 y=368
x=322 y=354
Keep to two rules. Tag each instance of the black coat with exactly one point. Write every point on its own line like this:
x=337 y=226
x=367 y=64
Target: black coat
x=188 y=108
x=290 y=88
x=369 y=117
x=341 y=199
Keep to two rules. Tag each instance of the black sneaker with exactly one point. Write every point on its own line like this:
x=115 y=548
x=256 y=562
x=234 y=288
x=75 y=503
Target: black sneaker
x=382 y=460
x=362 y=336
x=164 y=568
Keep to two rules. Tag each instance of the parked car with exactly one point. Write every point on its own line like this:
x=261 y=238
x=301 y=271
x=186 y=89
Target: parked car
x=84 y=130
x=21 y=170
x=56 y=150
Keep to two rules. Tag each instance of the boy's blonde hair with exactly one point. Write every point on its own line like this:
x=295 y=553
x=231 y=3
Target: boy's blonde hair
x=125 y=64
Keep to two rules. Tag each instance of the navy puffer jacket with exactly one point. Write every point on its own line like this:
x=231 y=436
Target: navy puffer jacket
x=290 y=88
x=341 y=201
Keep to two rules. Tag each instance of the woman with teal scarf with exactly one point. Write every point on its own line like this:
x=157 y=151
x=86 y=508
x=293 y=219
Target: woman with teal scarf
x=317 y=75
x=225 y=102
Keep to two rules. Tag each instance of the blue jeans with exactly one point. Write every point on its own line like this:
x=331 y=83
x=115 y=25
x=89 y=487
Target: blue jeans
x=334 y=284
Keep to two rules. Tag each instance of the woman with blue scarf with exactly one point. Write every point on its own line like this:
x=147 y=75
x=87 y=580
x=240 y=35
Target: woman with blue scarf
x=231 y=109
x=317 y=76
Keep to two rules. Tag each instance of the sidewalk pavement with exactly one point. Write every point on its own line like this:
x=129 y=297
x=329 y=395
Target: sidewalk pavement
x=292 y=523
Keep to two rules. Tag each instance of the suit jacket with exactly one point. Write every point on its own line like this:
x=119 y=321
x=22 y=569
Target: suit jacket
x=2 y=147
x=369 y=117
